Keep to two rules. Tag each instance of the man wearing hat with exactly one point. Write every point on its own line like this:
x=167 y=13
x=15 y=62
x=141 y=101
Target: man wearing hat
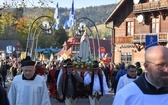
x=28 y=88
x=62 y=69
x=67 y=84
x=97 y=82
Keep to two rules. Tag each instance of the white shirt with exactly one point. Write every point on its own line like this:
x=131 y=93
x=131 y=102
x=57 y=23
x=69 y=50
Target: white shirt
x=96 y=85
x=132 y=95
x=124 y=80
x=59 y=75
x=28 y=92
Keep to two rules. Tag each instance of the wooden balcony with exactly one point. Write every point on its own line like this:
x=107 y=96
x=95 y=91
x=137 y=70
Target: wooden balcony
x=152 y=6
x=140 y=38
x=123 y=39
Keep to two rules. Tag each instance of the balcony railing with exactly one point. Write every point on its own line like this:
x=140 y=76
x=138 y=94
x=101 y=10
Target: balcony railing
x=140 y=38
x=152 y=6
x=123 y=39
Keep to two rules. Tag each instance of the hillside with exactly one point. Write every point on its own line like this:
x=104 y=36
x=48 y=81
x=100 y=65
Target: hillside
x=103 y=31
x=98 y=14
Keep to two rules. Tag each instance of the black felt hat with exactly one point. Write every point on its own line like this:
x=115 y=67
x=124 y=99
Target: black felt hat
x=69 y=65
x=95 y=65
x=65 y=62
x=28 y=63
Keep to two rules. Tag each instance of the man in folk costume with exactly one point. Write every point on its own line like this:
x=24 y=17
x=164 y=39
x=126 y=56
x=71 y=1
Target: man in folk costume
x=61 y=71
x=98 y=85
x=67 y=85
x=28 y=88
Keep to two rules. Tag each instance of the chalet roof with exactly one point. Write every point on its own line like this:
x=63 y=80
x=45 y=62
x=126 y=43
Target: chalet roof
x=72 y=41
x=112 y=15
x=68 y=52
x=5 y=43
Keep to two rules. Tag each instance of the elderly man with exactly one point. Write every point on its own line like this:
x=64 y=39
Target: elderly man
x=28 y=88
x=151 y=88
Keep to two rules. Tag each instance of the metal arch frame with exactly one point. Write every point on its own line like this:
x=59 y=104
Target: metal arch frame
x=31 y=42
x=97 y=35
x=34 y=34
x=37 y=43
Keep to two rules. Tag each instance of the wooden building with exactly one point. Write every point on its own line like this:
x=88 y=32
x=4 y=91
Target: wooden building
x=130 y=22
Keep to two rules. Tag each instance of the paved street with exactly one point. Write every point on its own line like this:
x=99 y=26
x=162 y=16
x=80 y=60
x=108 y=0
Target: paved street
x=105 y=100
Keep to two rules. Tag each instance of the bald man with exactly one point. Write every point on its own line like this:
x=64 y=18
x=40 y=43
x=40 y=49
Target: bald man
x=151 y=88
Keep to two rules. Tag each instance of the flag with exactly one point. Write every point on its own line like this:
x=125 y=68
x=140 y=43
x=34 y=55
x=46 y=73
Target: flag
x=56 y=17
x=66 y=24
x=51 y=57
x=72 y=17
x=23 y=55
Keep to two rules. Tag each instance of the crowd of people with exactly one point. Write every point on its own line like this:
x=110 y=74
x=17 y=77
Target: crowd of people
x=32 y=80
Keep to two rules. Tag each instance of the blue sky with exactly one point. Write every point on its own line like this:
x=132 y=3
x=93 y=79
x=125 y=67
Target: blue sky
x=63 y=3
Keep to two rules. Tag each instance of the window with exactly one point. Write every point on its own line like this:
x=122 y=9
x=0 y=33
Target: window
x=155 y=25
x=130 y=28
x=126 y=57
x=75 y=48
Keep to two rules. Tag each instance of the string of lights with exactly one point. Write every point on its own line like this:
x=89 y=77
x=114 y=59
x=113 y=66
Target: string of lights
x=26 y=3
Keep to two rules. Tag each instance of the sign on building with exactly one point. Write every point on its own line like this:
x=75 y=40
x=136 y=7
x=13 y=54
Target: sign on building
x=151 y=40
x=9 y=49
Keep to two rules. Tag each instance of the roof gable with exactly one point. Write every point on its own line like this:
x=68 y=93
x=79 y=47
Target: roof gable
x=115 y=12
x=5 y=43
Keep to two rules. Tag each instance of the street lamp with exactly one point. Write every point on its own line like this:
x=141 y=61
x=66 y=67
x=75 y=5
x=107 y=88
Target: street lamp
x=80 y=29
x=45 y=26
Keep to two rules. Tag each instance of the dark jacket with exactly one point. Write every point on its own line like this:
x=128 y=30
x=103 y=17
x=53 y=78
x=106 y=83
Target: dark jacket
x=3 y=70
x=3 y=97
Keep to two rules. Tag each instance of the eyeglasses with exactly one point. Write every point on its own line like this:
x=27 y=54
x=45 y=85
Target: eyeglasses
x=160 y=66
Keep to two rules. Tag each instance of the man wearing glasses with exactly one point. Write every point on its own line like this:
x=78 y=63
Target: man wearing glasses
x=150 y=86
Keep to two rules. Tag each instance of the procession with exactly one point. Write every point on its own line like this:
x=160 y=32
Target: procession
x=51 y=82
x=83 y=52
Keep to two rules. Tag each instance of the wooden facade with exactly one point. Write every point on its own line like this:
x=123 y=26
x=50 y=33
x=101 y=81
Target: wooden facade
x=127 y=30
